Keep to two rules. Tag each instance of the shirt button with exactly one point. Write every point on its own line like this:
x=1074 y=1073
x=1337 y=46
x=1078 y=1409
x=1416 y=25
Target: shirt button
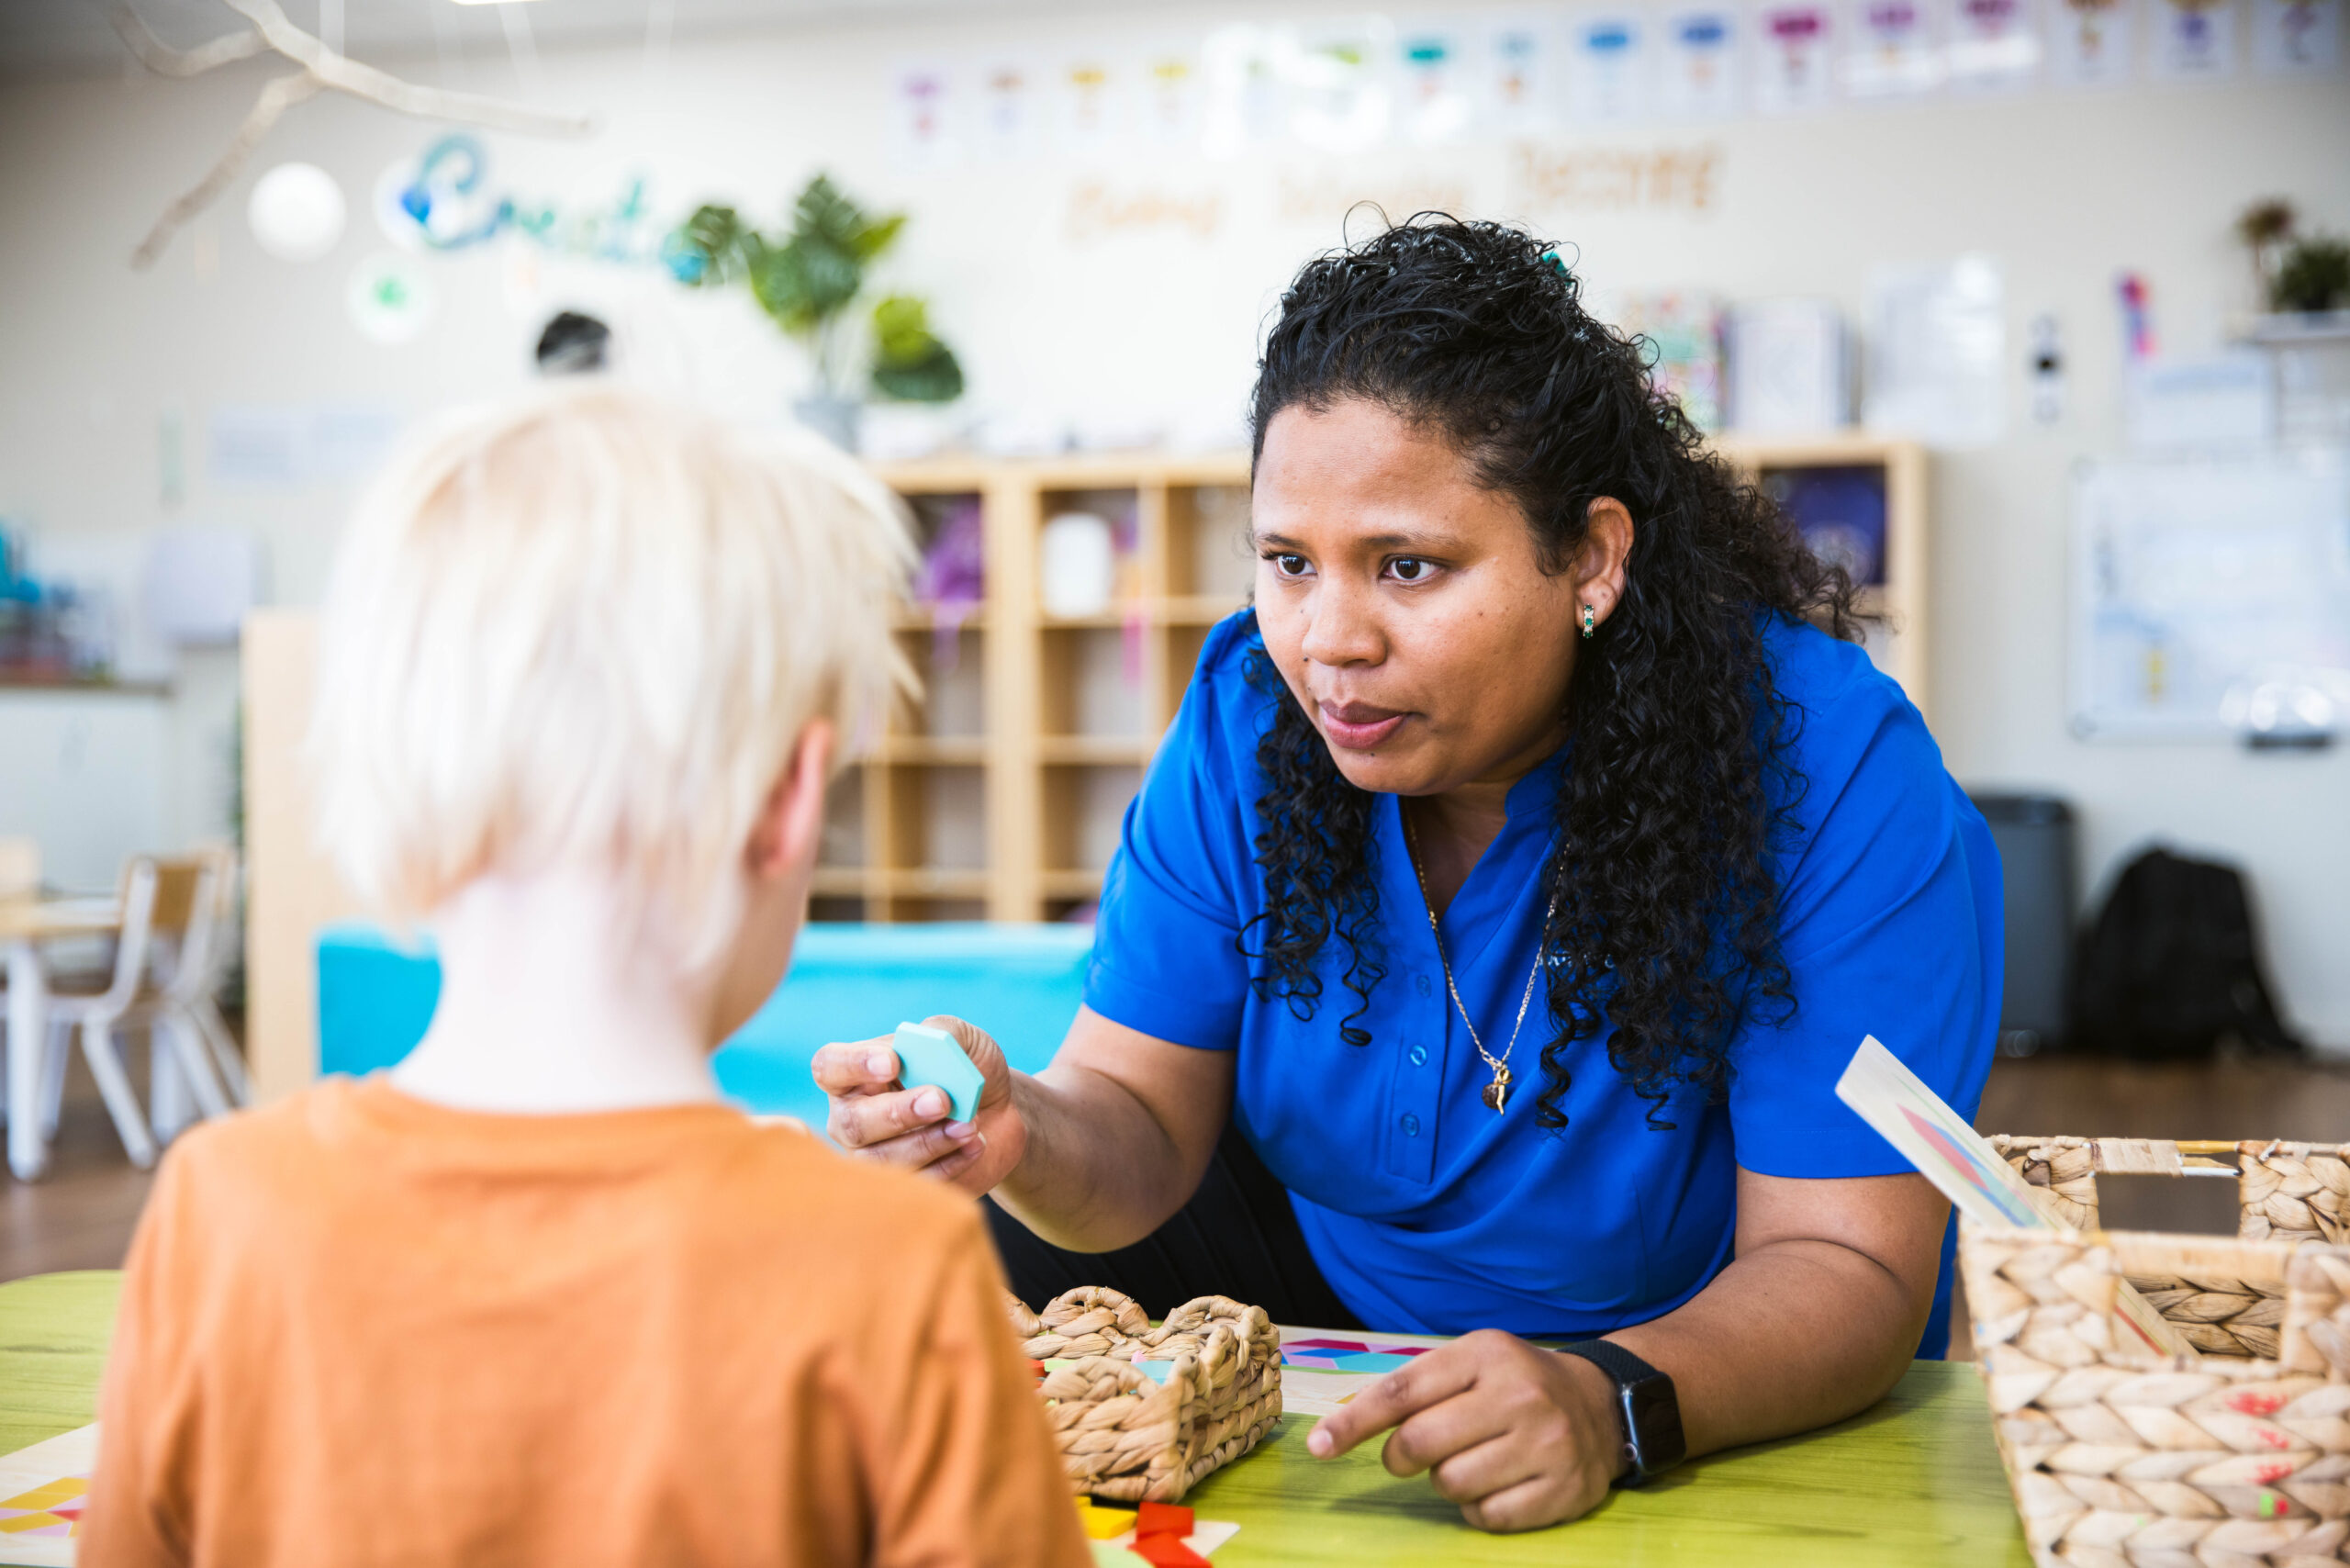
x=1419 y=1055
x=1424 y=983
x=1411 y=1126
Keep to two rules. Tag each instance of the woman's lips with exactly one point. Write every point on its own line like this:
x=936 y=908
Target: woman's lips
x=1358 y=726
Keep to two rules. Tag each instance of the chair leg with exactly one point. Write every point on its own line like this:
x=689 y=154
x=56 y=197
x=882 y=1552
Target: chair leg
x=168 y=1109
x=225 y=1055
x=57 y=1058
x=114 y=1087
x=188 y=1056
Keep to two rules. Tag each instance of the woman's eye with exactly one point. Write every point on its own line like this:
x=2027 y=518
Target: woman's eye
x=1289 y=566
x=1411 y=569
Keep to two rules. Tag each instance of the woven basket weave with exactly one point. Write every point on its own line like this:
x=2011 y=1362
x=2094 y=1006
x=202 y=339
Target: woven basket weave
x=1126 y=1437
x=2237 y=1458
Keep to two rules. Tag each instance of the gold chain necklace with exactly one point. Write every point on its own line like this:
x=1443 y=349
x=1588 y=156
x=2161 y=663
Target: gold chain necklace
x=1496 y=1093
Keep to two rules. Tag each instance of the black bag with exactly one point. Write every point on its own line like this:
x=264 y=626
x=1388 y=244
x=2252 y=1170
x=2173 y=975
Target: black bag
x=2169 y=967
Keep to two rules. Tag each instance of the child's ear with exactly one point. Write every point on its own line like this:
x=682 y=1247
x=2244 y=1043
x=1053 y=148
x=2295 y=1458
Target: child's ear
x=784 y=838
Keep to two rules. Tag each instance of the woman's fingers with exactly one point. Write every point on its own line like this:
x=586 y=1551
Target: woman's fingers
x=1483 y=1469
x=855 y=1067
x=1434 y=1436
x=1401 y=1395
x=867 y=1121
x=1536 y=1503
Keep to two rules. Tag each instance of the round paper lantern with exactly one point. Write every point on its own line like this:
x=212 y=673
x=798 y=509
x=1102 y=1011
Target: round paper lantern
x=296 y=212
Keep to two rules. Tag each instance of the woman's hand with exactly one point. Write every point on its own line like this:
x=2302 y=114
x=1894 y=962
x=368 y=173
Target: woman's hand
x=874 y=1119
x=1520 y=1438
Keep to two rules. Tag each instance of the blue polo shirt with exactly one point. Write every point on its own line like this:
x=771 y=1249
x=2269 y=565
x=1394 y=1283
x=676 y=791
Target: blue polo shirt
x=1426 y=1210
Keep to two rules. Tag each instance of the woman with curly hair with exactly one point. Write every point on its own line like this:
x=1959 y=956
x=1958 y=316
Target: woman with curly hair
x=1521 y=873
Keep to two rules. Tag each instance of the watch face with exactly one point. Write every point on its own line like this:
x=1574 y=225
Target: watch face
x=1652 y=1416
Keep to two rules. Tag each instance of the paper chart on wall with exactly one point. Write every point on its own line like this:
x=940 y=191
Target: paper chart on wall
x=1607 y=57
x=2202 y=584
x=1993 y=44
x=2194 y=40
x=1521 y=65
x=1697 y=63
x=1088 y=103
x=923 y=133
x=1434 y=103
x=2090 y=41
x=42 y=1489
x=2297 y=37
x=1167 y=99
x=1892 y=49
x=1794 y=58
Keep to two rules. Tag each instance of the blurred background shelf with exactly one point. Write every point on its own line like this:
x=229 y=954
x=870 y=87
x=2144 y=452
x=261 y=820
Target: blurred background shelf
x=999 y=793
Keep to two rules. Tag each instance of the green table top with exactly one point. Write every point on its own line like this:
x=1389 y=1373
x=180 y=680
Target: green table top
x=1914 y=1481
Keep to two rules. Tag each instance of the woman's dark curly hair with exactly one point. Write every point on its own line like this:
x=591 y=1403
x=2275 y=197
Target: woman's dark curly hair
x=1667 y=915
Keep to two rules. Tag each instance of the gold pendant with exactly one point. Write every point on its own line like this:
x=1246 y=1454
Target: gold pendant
x=1497 y=1091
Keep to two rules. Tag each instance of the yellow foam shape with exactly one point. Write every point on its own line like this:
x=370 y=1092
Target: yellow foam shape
x=23 y=1522
x=64 y=1489
x=1103 y=1524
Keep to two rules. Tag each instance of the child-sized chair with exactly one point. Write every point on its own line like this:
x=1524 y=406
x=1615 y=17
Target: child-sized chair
x=178 y=900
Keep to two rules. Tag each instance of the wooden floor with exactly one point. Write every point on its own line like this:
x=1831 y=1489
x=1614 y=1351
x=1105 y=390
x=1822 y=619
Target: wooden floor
x=81 y=1214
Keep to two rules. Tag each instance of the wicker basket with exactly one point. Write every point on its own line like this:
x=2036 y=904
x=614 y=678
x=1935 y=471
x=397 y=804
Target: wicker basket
x=2235 y=1457
x=1122 y=1434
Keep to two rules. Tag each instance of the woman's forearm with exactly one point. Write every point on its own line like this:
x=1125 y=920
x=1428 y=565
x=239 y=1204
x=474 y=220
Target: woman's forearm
x=1791 y=1336
x=1120 y=1128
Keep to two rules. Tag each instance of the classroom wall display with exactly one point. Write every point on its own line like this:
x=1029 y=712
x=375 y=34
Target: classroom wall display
x=1698 y=63
x=2199 y=582
x=1608 y=80
x=2297 y=37
x=1992 y=43
x=1353 y=83
x=1521 y=89
x=1892 y=49
x=2194 y=40
x=2091 y=43
x=1937 y=352
x=1794 y=58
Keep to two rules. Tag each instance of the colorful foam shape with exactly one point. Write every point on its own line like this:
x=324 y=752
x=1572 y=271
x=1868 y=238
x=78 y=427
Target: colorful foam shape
x=1309 y=1363
x=1372 y=1361
x=1325 y=1344
x=933 y=1056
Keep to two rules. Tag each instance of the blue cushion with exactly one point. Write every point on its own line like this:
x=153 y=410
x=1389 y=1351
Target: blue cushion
x=1021 y=983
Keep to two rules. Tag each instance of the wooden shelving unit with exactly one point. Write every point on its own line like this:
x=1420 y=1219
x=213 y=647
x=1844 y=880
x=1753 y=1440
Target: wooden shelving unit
x=1901 y=648
x=999 y=795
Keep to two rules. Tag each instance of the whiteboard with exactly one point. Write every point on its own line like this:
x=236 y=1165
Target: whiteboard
x=2192 y=577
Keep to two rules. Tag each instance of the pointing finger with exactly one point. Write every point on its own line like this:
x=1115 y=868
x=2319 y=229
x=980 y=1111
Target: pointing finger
x=1402 y=1393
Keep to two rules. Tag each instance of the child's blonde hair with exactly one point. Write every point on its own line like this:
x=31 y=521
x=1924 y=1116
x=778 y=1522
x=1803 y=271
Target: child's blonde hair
x=585 y=630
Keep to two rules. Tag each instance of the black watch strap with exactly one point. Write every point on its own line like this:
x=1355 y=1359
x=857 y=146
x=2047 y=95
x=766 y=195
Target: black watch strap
x=1645 y=1404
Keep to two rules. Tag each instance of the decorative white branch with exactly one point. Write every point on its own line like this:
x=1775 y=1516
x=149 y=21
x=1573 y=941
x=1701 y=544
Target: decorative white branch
x=323 y=70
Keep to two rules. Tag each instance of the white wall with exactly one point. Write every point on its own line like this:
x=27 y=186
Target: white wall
x=1051 y=316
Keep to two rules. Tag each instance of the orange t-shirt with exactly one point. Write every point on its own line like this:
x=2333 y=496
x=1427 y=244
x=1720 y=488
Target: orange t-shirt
x=360 y=1328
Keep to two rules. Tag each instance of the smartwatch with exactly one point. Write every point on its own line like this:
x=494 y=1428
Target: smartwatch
x=1651 y=1411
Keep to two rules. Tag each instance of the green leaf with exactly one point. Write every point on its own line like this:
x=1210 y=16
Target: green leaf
x=909 y=362
x=717 y=243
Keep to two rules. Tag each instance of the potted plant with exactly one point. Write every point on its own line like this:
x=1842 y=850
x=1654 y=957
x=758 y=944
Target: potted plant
x=2305 y=275
x=810 y=282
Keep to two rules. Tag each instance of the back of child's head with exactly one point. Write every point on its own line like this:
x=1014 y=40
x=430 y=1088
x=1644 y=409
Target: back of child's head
x=584 y=632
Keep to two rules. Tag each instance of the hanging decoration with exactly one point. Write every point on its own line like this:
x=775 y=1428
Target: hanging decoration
x=389 y=298
x=296 y=212
x=322 y=69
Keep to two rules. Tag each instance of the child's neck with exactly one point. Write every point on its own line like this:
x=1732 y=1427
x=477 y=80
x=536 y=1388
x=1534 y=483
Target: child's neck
x=550 y=1002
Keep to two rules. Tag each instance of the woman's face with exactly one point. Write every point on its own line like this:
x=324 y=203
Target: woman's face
x=1405 y=603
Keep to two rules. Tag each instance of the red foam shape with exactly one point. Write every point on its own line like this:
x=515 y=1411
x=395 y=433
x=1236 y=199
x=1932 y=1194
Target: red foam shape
x=1325 y=1344
x=1167 y=1551
x=1163 y=1519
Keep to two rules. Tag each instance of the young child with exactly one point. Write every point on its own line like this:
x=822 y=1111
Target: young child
x=538 y=1295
